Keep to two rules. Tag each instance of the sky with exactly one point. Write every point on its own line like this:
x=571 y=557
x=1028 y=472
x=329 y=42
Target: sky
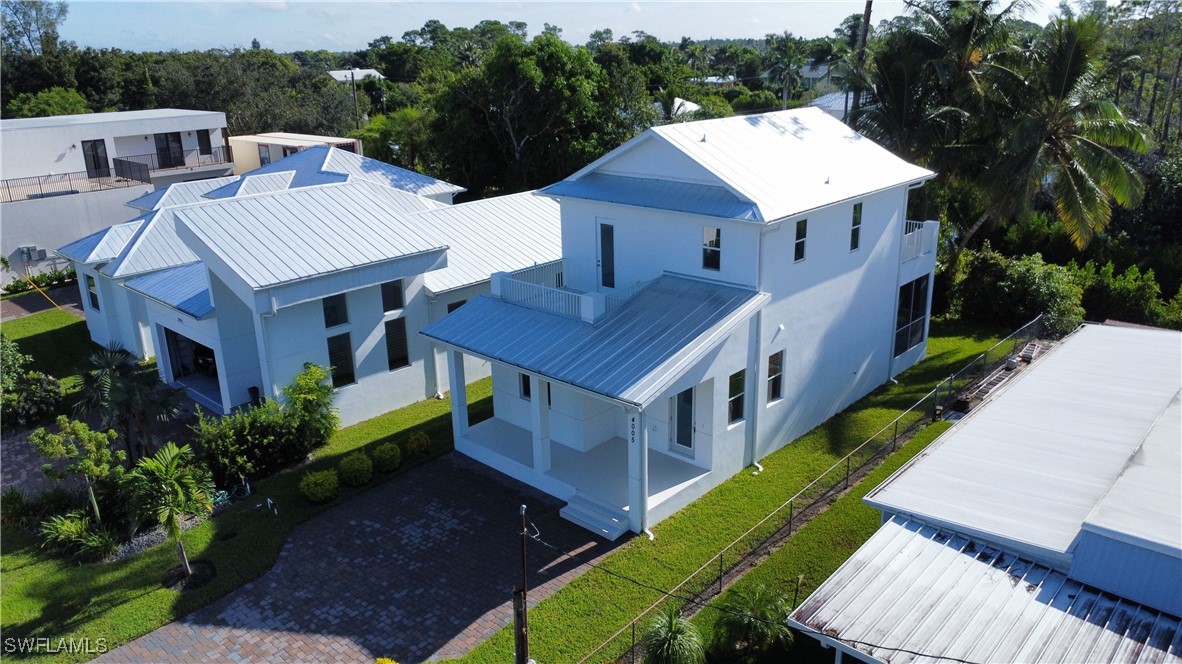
x=350 y=26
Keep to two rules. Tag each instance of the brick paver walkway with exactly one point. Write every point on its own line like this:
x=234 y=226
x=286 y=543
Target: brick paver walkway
x=419 y=568
x=68 y=298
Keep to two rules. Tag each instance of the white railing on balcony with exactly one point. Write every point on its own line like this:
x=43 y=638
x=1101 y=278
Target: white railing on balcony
x=542 y=298
x=541 y=287
x=919 y=238
x=542 y=274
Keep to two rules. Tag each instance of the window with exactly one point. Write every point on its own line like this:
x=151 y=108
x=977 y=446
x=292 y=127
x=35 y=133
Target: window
x=735 y=398
x=92 y=288
x=94 y=153
x=775 y=376
x=203 y=145
x=392 y=299
x=455 y=305
x=856 y=228
x=397 y=353
x=549 y=396
x=525 y=387
x=289 y=151
x=802 y=228
x=912 y=315
x=340 y=360
x=711 y=248
x=607 y=255
x=336 y=310
x=264 y=155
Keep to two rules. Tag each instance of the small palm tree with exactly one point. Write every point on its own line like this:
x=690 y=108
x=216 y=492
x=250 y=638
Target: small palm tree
x=169 y=486
x=672 y=639
x=754 y=623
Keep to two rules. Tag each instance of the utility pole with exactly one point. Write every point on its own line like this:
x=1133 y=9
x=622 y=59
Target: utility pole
x=356 y=115
x=861 y=61
x=520 y=619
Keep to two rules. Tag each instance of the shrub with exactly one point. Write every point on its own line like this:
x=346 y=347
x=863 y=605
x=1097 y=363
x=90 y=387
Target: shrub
x=753 y=625
x=254 y=442
x=12 y=363
x=308 y=402
x=1132 y=297
x=671 y=639
x=320 y=486
x=418 y=444
x=58 y=501
x=17 y=286
x=387 y=457
x=356 y=469
x=1012 y=291
x=98 y=544
x=35 y=398
x=64 y=532
x=16 y=509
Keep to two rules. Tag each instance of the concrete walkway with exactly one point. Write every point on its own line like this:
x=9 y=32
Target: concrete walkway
x=420 y=568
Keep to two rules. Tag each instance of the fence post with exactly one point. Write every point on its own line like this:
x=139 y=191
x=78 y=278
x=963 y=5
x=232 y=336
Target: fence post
x=720 y=572
x=633 y=648
x=791 y=507
x=895 y=442
x=847 y=472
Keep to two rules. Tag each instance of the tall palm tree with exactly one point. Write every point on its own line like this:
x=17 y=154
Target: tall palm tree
x=671 y=639
x=169 y=486
x=754 y=623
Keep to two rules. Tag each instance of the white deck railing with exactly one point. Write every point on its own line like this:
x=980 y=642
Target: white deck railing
x=541 y=287
x=542 y=274
x=542 y=298
x=919 y=238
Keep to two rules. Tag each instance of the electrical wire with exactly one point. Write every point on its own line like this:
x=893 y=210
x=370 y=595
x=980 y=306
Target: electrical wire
x=721 y=609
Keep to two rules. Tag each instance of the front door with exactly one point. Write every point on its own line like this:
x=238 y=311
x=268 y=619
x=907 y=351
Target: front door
x=683 y=422
x=95 y=154
x=607 y=256
x=168 y=150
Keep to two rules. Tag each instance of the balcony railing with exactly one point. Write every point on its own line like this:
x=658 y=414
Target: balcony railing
x=919 y=238
x=162 y=160
x=541 y=287
x=65 y=184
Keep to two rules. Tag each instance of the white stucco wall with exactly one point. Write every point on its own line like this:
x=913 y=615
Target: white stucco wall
x=435 y=367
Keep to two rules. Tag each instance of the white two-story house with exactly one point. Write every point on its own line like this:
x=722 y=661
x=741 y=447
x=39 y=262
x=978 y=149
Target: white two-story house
x=725 y=286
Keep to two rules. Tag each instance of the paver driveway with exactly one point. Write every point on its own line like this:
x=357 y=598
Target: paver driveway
x=421 y=567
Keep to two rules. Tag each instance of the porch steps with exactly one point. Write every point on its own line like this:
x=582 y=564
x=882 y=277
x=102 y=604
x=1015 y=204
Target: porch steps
x=596 y=516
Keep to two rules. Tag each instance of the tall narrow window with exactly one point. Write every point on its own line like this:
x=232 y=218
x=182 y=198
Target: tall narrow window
x=336 y=310
x=912 y=314
x=711 y=248
x=203 y=144
x=856 y=228
x=549 y=396
x=392 y=299
x=607 y=256
x=264 y=155
x=340 y=359
x=802 y=229
x=92 y=289
x=397 y=353
x=526 y=392
x=775 y=376
x=735 y=397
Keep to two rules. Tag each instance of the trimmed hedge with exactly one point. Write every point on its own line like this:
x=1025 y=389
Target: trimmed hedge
x=320 y=486
x=356 y=469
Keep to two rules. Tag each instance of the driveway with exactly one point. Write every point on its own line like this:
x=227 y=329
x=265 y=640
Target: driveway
x=419 y=568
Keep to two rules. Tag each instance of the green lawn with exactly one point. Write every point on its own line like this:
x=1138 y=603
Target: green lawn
x=58 y=342
x=578 y=618
x=50 y=597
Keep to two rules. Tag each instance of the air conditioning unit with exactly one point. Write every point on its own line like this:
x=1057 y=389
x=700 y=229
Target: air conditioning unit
x=30 y=253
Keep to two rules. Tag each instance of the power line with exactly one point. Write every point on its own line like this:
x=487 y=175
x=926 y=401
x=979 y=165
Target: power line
x=536 y=536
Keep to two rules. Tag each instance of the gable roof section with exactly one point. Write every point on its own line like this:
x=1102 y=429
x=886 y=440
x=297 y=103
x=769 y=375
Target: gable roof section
x=702 y=199
x=155 y=246
x=179 y=193
x=629 y=356
x=184 y=288
x=102 y=245
x=786 y=162
x=499 y=234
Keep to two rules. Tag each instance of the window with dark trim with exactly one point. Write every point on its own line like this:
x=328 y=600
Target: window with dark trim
x=336 y=310
x=711 y=248
x=392 y=296
x=802 y=229
x=459 y=303
x=92 y=289
x=203 y=143
x=735 y=396
x=912 y=315
x=775 y=376
x=397 y=352
x=525 y=387
x=264 y=155
x=549 y=396
x=340 y=360
x=856 y=228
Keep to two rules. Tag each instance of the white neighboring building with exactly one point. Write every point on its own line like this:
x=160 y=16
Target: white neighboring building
x=351 y=75
x=255 y=150
x=318 y=258
x=725 y=286
x=69 y=175
x=1046 y=526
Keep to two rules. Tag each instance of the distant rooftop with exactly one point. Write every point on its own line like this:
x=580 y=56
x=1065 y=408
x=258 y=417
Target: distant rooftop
x=347 y=75
x=99 y=118
x=289 y=139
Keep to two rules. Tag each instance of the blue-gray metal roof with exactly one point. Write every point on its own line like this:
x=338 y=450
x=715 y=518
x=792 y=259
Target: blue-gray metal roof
x=179 y=193
x=155 y=246
x=701 y=199
x=631 y=355
x=101 y=245
x=307 y=165
x=917 y=593
x=184 y=288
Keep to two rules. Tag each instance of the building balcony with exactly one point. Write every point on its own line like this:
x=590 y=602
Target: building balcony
x=919 y=238
x=164 y=160
x=541 y=287
x=65 y=184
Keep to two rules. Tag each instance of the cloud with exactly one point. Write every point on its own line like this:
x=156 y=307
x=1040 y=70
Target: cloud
x=272 y=5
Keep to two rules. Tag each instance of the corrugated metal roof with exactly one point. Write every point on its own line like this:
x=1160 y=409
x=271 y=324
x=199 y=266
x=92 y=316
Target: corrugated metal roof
x=350 y=75
x=357 y=166
x=1028 y=468
x=702 y=199
x=786 y=162
x=184 y=288
x=264 y=183
x=499 y=234
x=102 y=245
x=630 y=355
x=155 y=246
x=179 y=193
x=834 y=102
x=915 y=587
x=111 y=116
x=307 y=167
x=277 y=238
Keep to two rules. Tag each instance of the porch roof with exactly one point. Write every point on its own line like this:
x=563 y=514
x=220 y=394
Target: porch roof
x=629 y=356
x=101 y=245
x=184 y=288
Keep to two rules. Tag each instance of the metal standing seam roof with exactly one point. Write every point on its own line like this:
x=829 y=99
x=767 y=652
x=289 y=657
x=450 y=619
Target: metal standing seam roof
x=100 y=118
x=1028 y=468
x=179 y=193
x=629 y=356
x=701 y=199
x=357 y=166
x=349 y=75
x=277 y=238
x=834 y=102
x=184 y=288
x=155 y=246
x=916 y=587
x=499 y=234
x=102 y=245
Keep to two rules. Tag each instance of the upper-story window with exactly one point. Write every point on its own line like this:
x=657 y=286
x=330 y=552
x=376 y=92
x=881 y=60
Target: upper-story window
x=526 y=388
x=452 y=306
x=775 y=376
x=392 y=296
x=92 y=290
x=802 y=229
x=397 y=352
x=336 y=310
x=264 y=155
x=711 y=248
x=340 y=360
x=735 y=390
x=912 y=315
x=856 y=228
x=203 y=143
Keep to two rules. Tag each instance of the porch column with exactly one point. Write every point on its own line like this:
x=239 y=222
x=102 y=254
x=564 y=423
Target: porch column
x=459 y=393
x=540 y=411
x=637 y=470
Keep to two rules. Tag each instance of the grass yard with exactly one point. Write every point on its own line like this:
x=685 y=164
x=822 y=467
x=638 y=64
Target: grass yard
x=58 y=342
x=46 y=596
x=578 y=618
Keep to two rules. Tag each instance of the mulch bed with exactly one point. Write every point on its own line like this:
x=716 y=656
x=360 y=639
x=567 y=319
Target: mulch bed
x=203 y=573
